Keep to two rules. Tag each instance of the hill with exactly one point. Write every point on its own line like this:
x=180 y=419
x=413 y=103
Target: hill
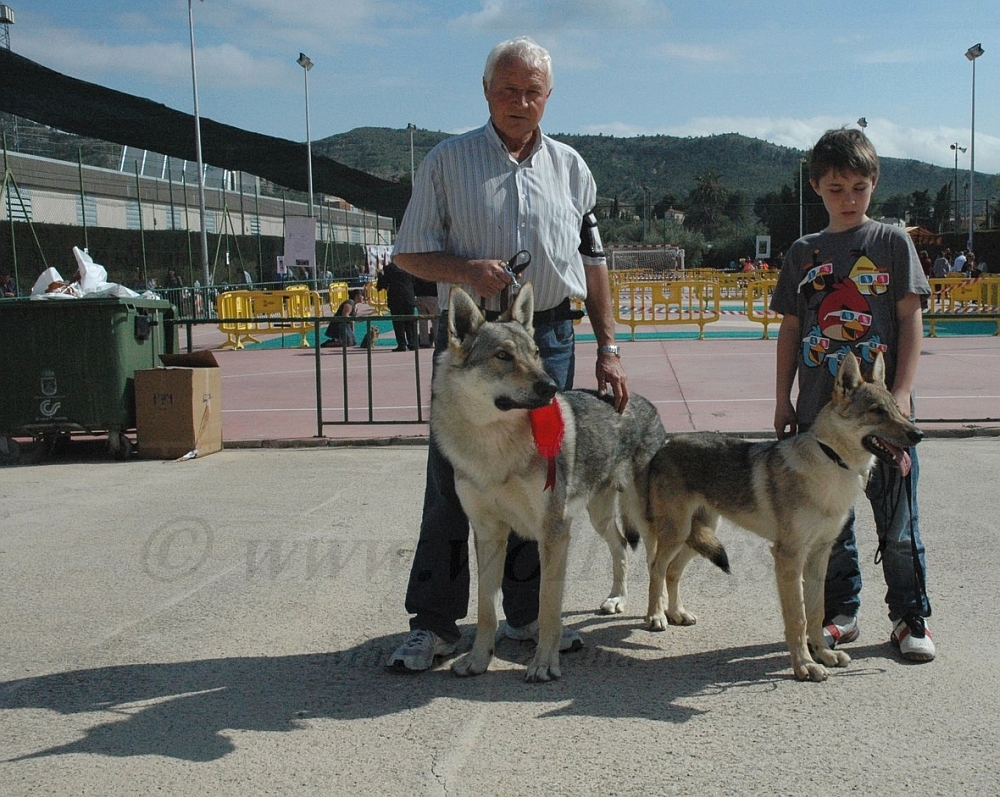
x=663 y=164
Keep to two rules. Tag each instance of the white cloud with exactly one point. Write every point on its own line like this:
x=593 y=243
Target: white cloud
x=554 y=15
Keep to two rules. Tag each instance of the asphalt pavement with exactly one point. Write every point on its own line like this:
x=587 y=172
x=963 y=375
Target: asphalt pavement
x=219 y=626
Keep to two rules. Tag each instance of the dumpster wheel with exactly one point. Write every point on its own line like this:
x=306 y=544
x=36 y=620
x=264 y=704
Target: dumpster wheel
x=120 y=446
x=10 y=451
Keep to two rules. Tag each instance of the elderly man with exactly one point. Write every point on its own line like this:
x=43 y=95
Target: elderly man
x=479 y=198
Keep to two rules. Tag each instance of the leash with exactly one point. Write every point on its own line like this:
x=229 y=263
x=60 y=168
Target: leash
x=514 y=267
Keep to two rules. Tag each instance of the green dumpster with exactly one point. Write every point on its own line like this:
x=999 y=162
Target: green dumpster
x=69 y=363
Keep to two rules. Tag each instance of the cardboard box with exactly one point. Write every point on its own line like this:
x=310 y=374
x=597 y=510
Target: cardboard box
x=178 y=408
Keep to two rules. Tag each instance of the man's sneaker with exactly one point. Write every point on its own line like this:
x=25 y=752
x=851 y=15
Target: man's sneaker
x=418 y=651
x=841 y=630
x=570 y=639
x=913 y=638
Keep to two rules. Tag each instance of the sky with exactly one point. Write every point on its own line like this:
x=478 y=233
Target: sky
x=783 y=70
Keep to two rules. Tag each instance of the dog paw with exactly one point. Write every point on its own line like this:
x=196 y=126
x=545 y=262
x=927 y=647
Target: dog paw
x=811 y=671
x=470 y=664
x=615 y=604
x=833 y=658
x=542 y=671
x=656 y=622
x=682 y=617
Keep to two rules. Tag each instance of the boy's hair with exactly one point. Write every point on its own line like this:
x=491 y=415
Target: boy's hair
x=844 y=150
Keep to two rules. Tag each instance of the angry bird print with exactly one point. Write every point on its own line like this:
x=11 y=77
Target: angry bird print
x=814 y=347
x=868 y=348
x=868 y=278
x=834 y=360
x=844 y=313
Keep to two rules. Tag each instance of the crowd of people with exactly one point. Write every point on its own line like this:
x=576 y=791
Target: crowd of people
x=964 y=261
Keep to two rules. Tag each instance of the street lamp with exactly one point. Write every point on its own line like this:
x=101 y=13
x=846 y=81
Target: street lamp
x=205 y=275
x=801 y=164
x=645 y=211
x=306 y=64
x=972 y=54
x=411 y=128
x=862 y=123
x=957 y=213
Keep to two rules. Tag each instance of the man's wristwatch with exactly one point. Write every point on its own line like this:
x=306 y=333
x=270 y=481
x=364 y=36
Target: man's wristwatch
x=609 y=350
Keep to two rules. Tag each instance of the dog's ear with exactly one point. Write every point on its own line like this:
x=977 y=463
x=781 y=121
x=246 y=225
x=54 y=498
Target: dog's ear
x=878 y=370
x=848 y=376
x=523 y=308
x=464 y=317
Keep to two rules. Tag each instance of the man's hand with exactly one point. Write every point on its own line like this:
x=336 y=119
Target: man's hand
x=611 y=374
x=487 y=277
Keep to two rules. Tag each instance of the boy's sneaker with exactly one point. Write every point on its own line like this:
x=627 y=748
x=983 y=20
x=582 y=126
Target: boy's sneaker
x=913 y=638
x=570 y=639
x=841 y=630
x=418 y=651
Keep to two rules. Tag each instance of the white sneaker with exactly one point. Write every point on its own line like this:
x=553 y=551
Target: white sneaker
x=418 y=651
x=913 y=638
x=841 y=630
x=570 y=639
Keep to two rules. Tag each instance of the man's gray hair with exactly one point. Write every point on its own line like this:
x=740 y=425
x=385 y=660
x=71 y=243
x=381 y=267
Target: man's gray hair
x=523 y=49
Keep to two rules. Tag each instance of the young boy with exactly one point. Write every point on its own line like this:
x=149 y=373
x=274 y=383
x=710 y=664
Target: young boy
x=857 y=286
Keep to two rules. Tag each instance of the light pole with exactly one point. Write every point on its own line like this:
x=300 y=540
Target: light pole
x=862 y=123
x=205 y=275
x=972 y=54
x=306 y=64
x=411 y=128
x=801 y=164
x=957 y=214
x=645 y=212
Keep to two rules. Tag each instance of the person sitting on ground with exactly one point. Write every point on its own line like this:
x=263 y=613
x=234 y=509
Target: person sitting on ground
x=340 y=331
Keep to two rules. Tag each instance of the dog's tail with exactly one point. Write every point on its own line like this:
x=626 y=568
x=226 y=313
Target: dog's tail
x=704 y=541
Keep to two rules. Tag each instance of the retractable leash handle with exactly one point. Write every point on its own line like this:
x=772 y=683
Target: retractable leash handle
x=515 y=266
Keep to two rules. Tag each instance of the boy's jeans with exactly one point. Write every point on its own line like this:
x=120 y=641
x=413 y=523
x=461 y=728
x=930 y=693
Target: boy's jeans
x=894 y=504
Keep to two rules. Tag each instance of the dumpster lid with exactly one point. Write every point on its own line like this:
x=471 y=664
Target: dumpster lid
x=195 y=359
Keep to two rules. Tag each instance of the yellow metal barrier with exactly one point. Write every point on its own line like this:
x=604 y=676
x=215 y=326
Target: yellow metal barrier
x=668 y=304
x=961 y=298
x=337 y=293
x=759 y=300
x=266 y=313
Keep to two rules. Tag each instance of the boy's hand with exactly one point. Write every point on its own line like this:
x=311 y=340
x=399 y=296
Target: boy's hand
x=903 y=402
x=785 y=422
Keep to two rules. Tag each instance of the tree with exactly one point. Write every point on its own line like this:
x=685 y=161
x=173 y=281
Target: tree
x=707 y=204
x=942 y=208
x=921 y=209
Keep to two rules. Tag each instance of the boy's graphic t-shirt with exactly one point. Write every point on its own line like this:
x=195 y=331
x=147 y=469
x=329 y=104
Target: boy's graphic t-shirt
x=843 y=287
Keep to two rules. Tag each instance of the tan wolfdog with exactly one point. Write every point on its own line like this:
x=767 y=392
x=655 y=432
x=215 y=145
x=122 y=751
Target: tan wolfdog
x=795 y=492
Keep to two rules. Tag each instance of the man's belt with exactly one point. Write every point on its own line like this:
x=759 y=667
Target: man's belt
x=561 y=312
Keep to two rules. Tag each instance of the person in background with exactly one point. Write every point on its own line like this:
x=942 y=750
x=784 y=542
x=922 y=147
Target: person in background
x=426 y=293
x=340 y=331
x=8 y=288
x=398 y=287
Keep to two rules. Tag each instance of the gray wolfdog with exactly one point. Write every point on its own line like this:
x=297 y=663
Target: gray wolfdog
x=485 y=387
x=796 y=493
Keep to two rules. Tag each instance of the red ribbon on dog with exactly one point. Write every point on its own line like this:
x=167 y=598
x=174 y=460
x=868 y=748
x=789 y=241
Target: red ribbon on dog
x=547 y=429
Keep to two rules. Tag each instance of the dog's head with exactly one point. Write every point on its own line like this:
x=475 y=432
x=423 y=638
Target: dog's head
x=497 y=360
x=866 y=410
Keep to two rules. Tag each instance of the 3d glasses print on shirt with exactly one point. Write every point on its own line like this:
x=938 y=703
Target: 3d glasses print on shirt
x=843 y=312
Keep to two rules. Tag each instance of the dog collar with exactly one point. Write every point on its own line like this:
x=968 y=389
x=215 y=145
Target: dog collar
x=832 y=454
